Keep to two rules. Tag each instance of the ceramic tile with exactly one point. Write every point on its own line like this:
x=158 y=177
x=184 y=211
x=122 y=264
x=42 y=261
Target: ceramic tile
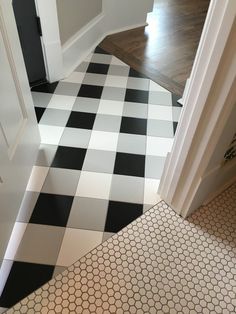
x=88 y=214
x=77 y=243
x=37 y=178
x=103 y=140
x=94 y=185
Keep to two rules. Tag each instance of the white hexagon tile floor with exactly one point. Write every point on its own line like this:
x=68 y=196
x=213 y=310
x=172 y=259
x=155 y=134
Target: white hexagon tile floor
x=160 y=263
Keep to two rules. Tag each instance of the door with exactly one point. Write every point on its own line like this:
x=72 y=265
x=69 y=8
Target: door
x=29 y=30
x=19 y=136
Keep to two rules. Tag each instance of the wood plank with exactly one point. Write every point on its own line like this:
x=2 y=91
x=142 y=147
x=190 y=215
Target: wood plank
x=165 y=49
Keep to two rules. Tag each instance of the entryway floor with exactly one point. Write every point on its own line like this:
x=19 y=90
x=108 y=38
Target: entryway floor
x=106 y=131
x=159 y=264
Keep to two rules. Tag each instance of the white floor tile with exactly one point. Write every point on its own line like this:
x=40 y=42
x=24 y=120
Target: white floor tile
x=150 y=191
x=77 y=243
x=37 y=178
x=94 y=185
x=154 y=87
x=14 y=242
x=117 y=61
x=50 y=134
x=116 y=81
x=111 y=107
x=159 y=146
x=160 y=112
x=62 y=102
x=103 y=140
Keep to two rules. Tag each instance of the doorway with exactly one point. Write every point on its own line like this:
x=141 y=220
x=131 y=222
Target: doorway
x=29 y=30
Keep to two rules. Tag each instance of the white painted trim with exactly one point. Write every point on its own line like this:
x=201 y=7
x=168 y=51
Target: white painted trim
x=78 y=47
x=81 y=44
x=51 y=43
x=216 y=30
x=115 y=17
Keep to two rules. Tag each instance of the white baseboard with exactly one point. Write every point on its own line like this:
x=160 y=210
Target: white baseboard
x=82 y=43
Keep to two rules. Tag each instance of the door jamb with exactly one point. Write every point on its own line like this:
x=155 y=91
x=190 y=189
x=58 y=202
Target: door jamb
x=218 y=24
x=51 y=42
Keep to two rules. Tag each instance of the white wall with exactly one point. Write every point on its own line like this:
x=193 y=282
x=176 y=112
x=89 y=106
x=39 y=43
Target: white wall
x=116 y=15
x=75 y=14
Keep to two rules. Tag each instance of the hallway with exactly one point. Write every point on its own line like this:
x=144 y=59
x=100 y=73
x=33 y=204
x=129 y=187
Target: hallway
x=159 y=264
x=165 y=49
x=106 y=131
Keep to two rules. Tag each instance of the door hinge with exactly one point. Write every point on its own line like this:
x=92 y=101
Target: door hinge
x=38 y=21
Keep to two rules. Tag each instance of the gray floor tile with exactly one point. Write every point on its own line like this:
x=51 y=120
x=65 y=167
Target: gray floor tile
x=67 y=88
x=107 y=235
x=131 y=143
x=101 y=58
x=154 y=166
x=176 y=112
x=46 y=154
x=94 y=79
x=27 y=206
x=88 y=214
x=40 y=244
x=160 y=98
x=84 y=104
x=61 y=181
x=41 y=99
x=137 y=110
x=127 y=189
x=73 y=137
x=113 y=93
x=82 y=67
x=55 y=117
x=2 y=310
x=118 y=70
x=99 y=161
x=138 y=83
x=160 y=128
x=107 y=123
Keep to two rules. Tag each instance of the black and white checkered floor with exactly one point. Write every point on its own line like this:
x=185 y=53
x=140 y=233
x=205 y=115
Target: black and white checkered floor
x=106 y=131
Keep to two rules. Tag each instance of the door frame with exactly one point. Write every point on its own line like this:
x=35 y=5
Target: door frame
x=218 y=24
x=51 y=42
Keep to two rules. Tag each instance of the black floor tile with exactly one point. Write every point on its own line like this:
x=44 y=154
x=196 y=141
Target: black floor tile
x=130 y=165
x=69 y=158
x=136 y=95
x=120 y=214
x=98 y=68
x=45 y=88
x=175 y=124
x=175 y=99
x=52 y=209
x=134 y=73
x=24 y=278
x=133 y=126
x=82 y=120
x=39 y=112
x=91 y=91
x=100 y=50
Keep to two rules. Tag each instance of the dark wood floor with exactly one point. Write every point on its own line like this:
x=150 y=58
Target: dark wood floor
x=165 y=49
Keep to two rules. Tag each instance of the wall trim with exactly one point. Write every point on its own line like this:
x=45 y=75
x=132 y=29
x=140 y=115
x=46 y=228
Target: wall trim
x=115 y=17
x=51 y=43
x=78 y=47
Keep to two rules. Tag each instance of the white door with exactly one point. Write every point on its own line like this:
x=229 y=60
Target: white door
x=19 y=136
